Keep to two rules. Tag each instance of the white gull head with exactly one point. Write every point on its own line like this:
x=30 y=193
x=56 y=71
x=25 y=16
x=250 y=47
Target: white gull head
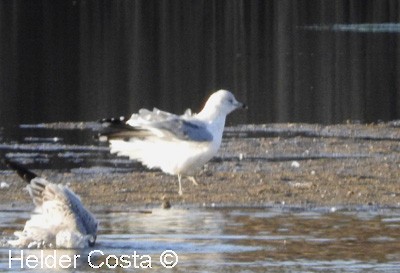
x=220 y=104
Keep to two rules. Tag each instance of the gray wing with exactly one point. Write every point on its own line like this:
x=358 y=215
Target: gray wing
x=85 y=220
x=76 y=215
x=41 y=191
x=185 y=130
x=168 y=126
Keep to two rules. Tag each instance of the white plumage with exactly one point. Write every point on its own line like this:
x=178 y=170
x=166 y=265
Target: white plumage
x=59 y=219
x=178 y=145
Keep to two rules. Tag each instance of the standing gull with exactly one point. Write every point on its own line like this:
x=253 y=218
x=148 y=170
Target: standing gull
x=176 y=144
x=59 y=220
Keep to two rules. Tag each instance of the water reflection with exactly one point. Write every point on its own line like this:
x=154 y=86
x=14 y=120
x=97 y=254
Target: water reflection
x=74 y=147
x=235 y=240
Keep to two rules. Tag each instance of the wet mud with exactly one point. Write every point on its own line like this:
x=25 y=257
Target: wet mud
x=257 y=165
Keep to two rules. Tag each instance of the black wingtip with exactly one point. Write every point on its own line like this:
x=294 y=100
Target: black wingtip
x=24 y=173
x=115 y=128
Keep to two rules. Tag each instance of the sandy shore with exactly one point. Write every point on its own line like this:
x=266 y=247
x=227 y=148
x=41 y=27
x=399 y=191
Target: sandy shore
x=296 y=164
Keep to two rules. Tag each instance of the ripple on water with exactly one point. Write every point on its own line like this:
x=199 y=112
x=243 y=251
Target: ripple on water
x=236 y=240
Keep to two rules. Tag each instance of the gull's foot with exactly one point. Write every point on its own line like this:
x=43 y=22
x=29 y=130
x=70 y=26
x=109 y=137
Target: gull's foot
x=191 y=178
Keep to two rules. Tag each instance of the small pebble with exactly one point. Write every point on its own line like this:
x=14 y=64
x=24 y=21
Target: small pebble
x=166 y=204
x=349 y=193
x=295 y=164
x=4 y=185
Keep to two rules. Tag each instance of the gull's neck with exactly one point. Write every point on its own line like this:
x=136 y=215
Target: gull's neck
x=211 y=114
x=215 y=120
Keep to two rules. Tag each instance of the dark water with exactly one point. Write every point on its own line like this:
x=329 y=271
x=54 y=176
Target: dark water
x=280 y=239
x=291 y=61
